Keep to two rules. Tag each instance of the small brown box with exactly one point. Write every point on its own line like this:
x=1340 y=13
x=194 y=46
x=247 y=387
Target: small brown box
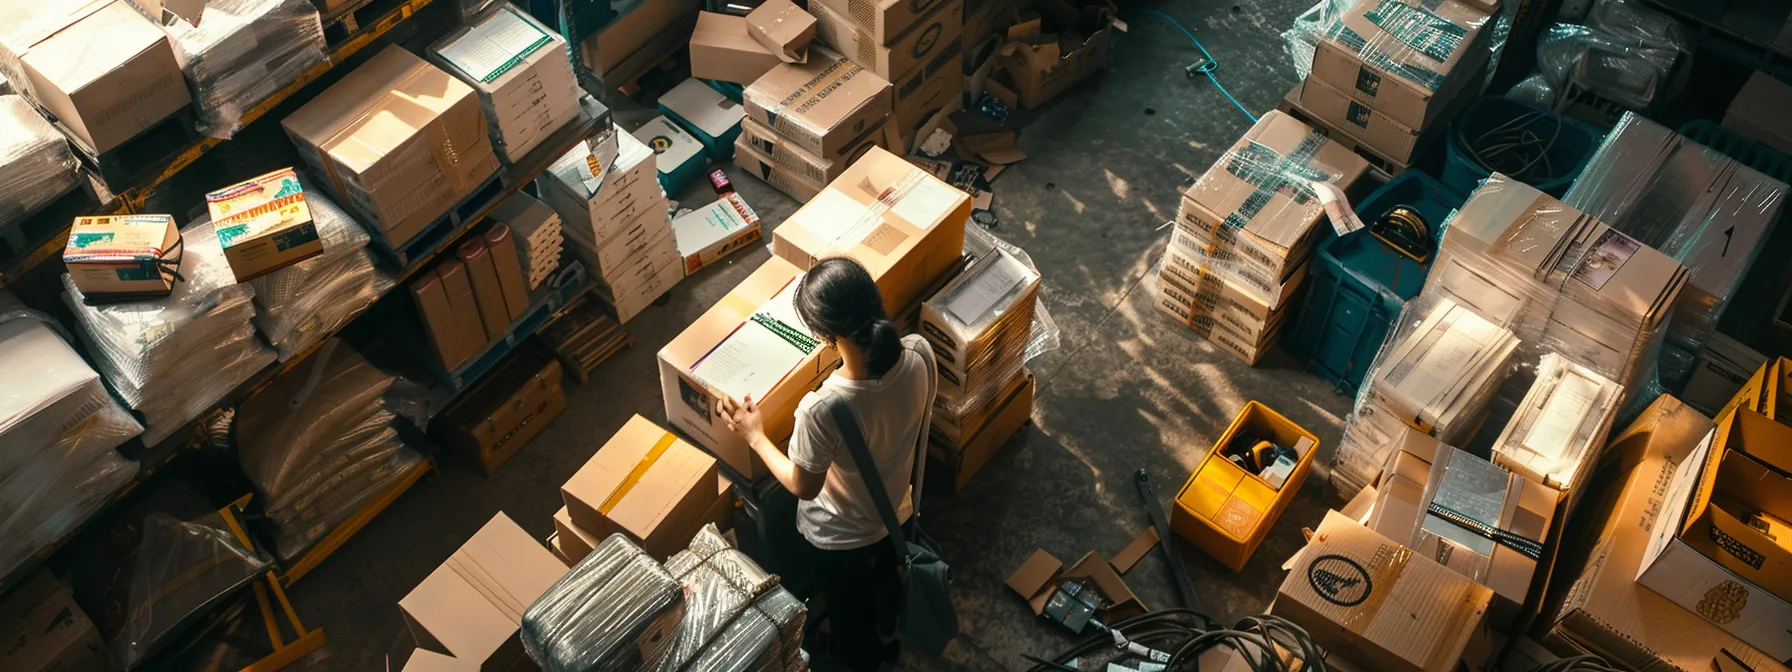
x=491 y=421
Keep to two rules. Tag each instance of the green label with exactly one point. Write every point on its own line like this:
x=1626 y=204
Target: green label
x=1425 y=32
x=1358 y=114
x=82 y=241
x=228 y=235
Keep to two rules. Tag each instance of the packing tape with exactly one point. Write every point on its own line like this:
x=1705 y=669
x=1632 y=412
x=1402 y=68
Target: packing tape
x=1270 y=172
x=487 y=586
x=1374 y=56
x=635 y=475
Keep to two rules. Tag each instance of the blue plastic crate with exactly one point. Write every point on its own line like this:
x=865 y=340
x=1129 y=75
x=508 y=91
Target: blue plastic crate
x=1570 y=145
x=1744 y=150
x=1358 y=284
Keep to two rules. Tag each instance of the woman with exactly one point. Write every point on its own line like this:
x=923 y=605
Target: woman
x=888 y=382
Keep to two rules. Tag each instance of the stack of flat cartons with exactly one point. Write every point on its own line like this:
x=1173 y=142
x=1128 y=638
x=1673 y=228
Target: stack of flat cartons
x=807 y=121
x=536 y=230
x=1245 y=230
x=1388 y=74
x=979 y=326
x=917 y=46
x=617 y=223
x=522 y=74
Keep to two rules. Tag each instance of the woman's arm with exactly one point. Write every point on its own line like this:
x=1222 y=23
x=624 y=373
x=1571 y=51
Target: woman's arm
x=744 y=419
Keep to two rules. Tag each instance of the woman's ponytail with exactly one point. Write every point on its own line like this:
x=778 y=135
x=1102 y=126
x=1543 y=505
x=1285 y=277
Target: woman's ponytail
x=838 y=299
x=882 y=346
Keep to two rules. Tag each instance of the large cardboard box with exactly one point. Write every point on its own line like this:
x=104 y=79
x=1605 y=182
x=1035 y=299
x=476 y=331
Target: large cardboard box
x=573 y=541
x=713 y=231
x=1758 y=111
x=471 y=607
x=645 y=483
x=692 y=363
x=1595 y=604
x=398 y=139
x=1255 y=201
x=521 y=72
x=1726 y=553
x=488 y=293
x=1036 y=64
x=885 y=20
x=902 y=223
x=264 y=224
x=123 y=255
x=829 y=106
x=963 y=459
x=1365 y=597
x=939 y=32
x=923 y=97
x=783 y=154
x=463 y=304
x=1419 y=56
x=793 y=181
x=502 y=243
x=608 y=51
x=451 y=344
x=45 y=631
x=97 y=66
x=1360 y=122
x=722 y=50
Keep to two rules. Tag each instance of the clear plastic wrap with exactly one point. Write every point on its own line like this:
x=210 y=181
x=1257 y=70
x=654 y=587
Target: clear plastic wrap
x=181 y=570
x=737 y=618
x=172 y=358
x=304 y=303
x=1562 y=421
x=1625 y=53
x=611 y=613
x=1689 y=201
x=1439 y=374
x=243 y=51
x=1302 y=36
x=1433 y=46
x=979 y=325
x=36 y=165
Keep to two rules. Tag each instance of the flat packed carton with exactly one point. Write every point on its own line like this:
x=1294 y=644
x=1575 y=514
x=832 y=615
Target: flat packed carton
x=100 y=68
x=723 y=50
x=645 y=279
x=1726 y=552
x=783 y=29
x=400 y=140
x=938 y=35
x=783 y=154
x=1041 y=61
x=1366 y=598
x=710 y=359
x=1041 y=575
x=471 y=607
x=645 y=483
x=45 y=631
x=711 y=232
x=1225 y=510
x=792 y=180
x=903 y=224
x=706 y=114
x=519 y=69
x=1257 y=200
x=123 y=255
x=829 y=106
x=1419 y=56
x=1594 y=602
x=264 y=224
x=885 y=20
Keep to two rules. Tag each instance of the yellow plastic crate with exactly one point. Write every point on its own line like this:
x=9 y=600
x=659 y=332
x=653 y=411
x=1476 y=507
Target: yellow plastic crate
x=1226 y=511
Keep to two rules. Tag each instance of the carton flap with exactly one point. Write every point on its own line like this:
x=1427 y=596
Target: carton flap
x=1034 y=574
x=423 y=660
x=1135 y=550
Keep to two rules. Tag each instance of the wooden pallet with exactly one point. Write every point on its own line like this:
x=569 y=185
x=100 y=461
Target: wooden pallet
x=583 y=336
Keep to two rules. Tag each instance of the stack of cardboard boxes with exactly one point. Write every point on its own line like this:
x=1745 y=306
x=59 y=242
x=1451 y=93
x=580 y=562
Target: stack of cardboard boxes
x=615 y=218
x=807 y=121
x=535 y=228
x=1388 y=76
x=917 y=46
x=522 y=74
x=1049 y=50
x=979 y=326
x=472 y=297
x=646 y=484
x=1245 y=231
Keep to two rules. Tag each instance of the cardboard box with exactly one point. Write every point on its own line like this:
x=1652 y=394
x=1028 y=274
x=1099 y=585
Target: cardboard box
x=400 y=141
x=722 y=50
x=680 y=157
x=1360 y=122
x=643 y=284
x=610 y=51
x=471 y=607
x=721 y=512
x=264 y=224
x=503 y=411
x=574 y=542
x=783 y=29
x=922 y=98
x=1595 y=604
x=1363 y=596
x=1041 y=574
x=646 y=243
x=123 y=256
x=1726 y=553
x=521 y=72
x=885 y=20
x=645 y=483
x=488 y=293
x=1246 y=204
x=463 y=304
x=598 y=204
x=100 y=68
x=1264 y=286
x=1036 y=65
x=904 y=225
x=500 y=241
x=713 y=231
x=791 y=181
x=1720 y=372
x=925 y=46
x=1410 y=84
x=785 y=156
x=423 y=660
x=829 y=107
x=706 y=114
x=1219 y=300
x=1225 y=511
x=691 y=403
x=963 y=459
x=45 y=631
x=430 y=297
x=1756 y=112
x=1192 y=268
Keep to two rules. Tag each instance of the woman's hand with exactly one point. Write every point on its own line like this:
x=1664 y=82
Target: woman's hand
x=742 y=418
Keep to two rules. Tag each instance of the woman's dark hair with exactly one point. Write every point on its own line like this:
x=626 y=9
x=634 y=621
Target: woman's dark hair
x=837 y=299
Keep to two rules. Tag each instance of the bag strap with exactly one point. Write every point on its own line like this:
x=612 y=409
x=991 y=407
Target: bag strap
x=854 y=438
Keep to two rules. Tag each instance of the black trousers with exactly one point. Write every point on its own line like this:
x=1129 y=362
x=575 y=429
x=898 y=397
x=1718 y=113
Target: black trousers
x=864 y=598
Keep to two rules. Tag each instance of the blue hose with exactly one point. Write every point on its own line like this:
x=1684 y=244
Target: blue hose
x=1207 y=67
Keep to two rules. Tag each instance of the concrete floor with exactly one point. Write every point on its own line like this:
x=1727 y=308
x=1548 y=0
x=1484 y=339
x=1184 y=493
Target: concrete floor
x=1129 y=389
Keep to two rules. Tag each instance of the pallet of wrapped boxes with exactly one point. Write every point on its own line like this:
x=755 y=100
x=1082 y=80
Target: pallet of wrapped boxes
x=979 y=326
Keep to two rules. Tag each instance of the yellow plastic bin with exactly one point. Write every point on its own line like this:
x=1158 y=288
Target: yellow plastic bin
x=1226 y=511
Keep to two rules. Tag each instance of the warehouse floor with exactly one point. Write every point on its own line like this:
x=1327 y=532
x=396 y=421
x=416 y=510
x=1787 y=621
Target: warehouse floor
x=1128 y=389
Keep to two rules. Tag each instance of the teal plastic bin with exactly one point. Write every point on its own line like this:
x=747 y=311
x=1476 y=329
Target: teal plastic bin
x=1359 y=283
x=1520 y=140
x=1736 y=146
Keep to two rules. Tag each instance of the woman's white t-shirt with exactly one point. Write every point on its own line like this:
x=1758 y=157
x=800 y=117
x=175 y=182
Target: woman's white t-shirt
x=892 y=414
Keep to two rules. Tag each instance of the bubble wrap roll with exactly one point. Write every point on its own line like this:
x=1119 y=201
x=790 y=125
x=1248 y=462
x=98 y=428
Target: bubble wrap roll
x=603 y=615
x=737 y=618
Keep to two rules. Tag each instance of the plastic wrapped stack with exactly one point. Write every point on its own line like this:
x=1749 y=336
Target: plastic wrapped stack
x=736 y=616
x=183 y=569
x=323 y=440
x=36 y=165
x=1694 y=204
x=1524 y=289
x=59 y=429
x=174 y=357
x=242 y=51
x=1623 y=52
x=298 y=306
x=979 y=326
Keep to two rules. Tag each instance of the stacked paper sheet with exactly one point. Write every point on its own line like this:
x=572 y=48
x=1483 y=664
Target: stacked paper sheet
x=322 y=441
x=59 y=429
x=521 y=72
x=240 y=52
x=616 y=221
x=36 y=165
x=174 y=357
x=1560 y=426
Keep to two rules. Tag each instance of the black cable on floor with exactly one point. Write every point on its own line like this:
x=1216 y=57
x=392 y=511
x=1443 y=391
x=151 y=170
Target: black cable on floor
x=1186 y=634
x=1586 y=663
